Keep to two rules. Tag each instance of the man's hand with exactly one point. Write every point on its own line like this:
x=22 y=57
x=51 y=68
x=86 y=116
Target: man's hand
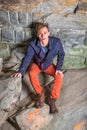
x=19 y=75
x=60 y=72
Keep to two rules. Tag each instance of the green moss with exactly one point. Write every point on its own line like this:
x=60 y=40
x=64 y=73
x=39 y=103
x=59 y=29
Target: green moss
x=76 y=58
x=4 y=51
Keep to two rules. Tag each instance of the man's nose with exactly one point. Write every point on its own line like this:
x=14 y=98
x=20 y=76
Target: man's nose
x=42 y=35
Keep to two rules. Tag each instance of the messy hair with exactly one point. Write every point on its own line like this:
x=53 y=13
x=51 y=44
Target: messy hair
x=41 y=25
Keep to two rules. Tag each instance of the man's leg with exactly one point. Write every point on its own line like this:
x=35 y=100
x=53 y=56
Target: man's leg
x=55 y=92
x=57 y=82
x=34 y=70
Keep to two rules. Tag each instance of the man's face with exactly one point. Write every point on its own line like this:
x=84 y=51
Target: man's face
x=43 y=35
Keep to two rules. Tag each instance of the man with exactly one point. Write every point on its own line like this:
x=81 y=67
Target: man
x=41 y=51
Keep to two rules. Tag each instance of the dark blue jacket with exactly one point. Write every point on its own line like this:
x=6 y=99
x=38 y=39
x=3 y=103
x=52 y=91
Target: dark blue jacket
x=35 y=53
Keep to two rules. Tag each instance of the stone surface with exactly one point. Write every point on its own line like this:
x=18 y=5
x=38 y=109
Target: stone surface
x=1 y=61
x=4 y=50
x=41 y=7
x=7 y=35
x=19 y=35
x=34 y=119
x=4 y=17
x=7 y=126
x=14 y=18
x=3 y=116
x=72 y=103
x=10 y=90
x=76 y=58
x=82 y=125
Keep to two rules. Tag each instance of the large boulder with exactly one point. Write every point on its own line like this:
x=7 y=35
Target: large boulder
x=10 y=90
x=34 y=119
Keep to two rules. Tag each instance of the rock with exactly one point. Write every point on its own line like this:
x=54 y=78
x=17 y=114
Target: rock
x=72 y=103
x=34 y=119
x=3 y=116
x=76 y=58
x=7 y=126
x=82 y=125
x=40 y=8
x=14 y=62
x=10 y=90
x=1 y=60
x=4 y=51
x=62 y=22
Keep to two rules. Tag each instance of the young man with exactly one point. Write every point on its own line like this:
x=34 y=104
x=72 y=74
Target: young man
x=42 y=51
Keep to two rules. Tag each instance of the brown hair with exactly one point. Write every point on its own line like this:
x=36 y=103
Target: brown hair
x=41 y=25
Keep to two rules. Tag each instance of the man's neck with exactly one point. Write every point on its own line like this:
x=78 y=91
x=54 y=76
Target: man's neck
x=44 y=43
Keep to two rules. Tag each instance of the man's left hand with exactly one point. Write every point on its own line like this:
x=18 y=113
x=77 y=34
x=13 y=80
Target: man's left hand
x=60 y=72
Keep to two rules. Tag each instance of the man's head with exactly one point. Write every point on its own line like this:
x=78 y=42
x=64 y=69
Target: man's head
x=43 y=33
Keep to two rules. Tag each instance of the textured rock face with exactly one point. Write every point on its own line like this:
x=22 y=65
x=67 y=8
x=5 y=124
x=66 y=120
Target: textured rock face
x=72 y=103
x=81 y=125
x=72 y=106
x=4 y=51
x=34 y=118
x=66 y=19
x=1 y=60
x=10 y=90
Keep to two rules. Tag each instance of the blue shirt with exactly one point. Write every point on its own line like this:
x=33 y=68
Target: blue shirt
x=44 y=48
x=36 y=54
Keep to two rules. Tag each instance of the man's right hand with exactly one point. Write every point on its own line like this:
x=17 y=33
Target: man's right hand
x=19 y=75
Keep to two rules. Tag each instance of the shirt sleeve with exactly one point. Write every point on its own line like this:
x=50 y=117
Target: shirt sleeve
x=26 y=60
x=60 y=57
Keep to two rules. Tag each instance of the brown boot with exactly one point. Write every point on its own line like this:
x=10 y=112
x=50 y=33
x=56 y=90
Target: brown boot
x=51 y=103
x=40 y=100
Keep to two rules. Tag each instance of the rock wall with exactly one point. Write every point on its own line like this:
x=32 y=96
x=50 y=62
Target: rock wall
x=66 y=19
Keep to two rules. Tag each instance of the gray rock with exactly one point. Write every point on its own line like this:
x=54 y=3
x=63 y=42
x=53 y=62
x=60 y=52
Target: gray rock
x=7 y=34
x=34 y=119
x=14 y=18
x=82 y=125
x=7 y=126
x=22 y=17
x=1 y=61
x=19 y=35
x=10 y=90
x=29 y=18
x=74 y=22
x=4 y=51
x=3 y=116
x=14 y=61
x=4 y=17
x=72 y=103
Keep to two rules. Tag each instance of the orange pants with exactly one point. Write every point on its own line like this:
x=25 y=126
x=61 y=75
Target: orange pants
x=33 y=73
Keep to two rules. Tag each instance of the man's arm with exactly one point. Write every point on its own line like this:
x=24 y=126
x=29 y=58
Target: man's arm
x=25 y=63
x=60 y=59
